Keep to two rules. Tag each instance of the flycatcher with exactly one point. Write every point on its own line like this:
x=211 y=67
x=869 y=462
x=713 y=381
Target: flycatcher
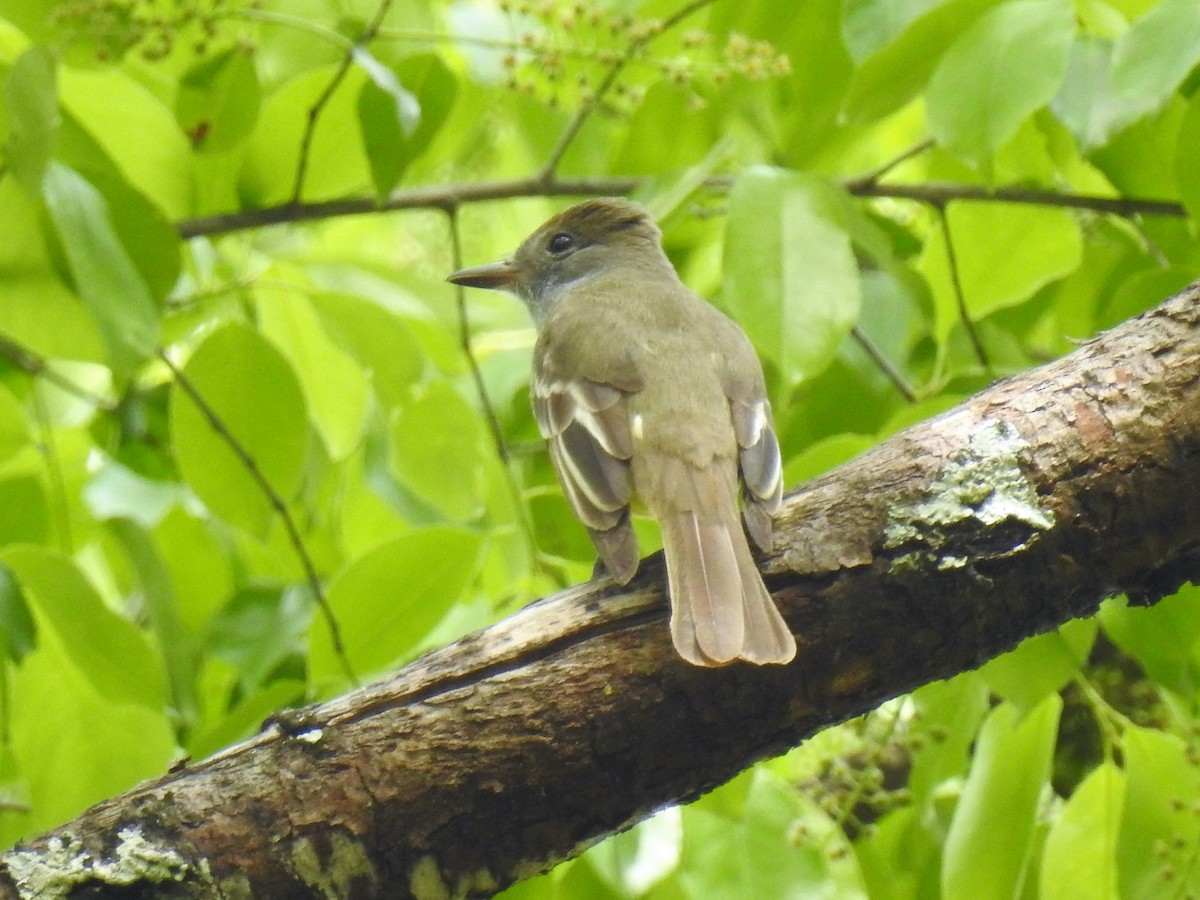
x=641 y=388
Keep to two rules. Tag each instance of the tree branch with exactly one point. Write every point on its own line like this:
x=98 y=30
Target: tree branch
x=488 y=760
x=448 y=196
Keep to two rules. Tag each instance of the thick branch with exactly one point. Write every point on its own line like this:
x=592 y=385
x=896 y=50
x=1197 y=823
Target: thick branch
x=490 y=759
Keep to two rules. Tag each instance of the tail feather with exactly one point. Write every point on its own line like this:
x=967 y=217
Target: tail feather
x=720 y=608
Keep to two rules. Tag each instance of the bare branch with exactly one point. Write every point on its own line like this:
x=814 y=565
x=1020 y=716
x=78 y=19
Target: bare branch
x=446 y=196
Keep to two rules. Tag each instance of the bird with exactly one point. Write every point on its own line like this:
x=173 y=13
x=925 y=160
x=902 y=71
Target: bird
x=644 y=391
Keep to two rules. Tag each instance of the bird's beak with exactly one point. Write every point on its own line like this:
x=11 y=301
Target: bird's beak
x=497 y=276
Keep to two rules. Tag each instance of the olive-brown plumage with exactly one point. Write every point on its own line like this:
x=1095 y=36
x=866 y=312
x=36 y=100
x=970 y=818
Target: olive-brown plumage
x=641 y=388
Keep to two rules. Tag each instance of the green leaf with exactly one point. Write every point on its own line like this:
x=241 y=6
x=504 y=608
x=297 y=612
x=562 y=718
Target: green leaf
x=150 y=239
x=1005 y=253
x=896 y=72
x=1187 y=158
x=438 y=451
x=31 y=97
x=75 y=743
x=391 y=145
x=1000 y=71
x=246 y=717
x=1156 y=54
x=633 y=861
x=379 y=340
x=108 y=651
x=18 y=633
x=824 y=862
x=991 y=835
x=179 y=650
x=388 y=600
x=201 y=578
x=869 y=25
x=36 y=308
x=1088 y=102
x=104 y=275
x=218 y=100
x=791 y=277
x=337 y=164
x=824 y=455
x=135 y=129
x=257 y=400
x=260 y=632
x=333 y=383
x=1041 y=665
x=1162 y=638
x=14 y=430
x=1159 y=829
x=1080 y=858
x=24 y=510
x=951 y=710
x=408 y=108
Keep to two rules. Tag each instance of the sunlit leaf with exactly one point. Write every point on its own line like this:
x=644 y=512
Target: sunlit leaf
x=896 y=71
x=105 y=276
x=791 y=277
x=333 y=383
x=74 y=743
x=438 y=443
x=392 y=136
x=1004 y=253
x=31 y=97
x=106 y=650
x=252 y=391
x=1003 y=68
x=218 y=100
x=1080 y=859
x=1159 y=830
x=991 y=836
x=1156 y=54
x=388 y=600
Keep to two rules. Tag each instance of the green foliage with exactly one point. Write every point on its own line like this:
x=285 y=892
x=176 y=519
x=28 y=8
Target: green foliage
x=209 y=446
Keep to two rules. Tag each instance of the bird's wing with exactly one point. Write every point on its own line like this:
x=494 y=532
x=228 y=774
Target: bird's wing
x=586 y=426
x=759 y=462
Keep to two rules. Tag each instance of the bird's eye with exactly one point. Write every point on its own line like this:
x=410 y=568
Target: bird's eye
x=560 y=243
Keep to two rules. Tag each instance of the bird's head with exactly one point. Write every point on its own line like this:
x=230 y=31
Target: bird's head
x=593 y=238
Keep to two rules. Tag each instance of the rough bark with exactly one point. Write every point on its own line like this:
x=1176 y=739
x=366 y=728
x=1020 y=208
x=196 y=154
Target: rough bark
x=490 y=759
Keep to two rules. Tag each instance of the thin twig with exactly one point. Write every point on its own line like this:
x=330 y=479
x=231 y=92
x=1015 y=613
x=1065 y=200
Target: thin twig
x=590 y=105
x=489 y=411
x=444 y=196
x=872 y=178
x=38 y=366
x=277 y=504
x=884 y=364
x=943 y=192
x=959 y=296
x=314 y=112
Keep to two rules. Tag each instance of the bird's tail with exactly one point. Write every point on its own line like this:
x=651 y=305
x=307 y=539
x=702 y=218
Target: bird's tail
x=720 y=608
